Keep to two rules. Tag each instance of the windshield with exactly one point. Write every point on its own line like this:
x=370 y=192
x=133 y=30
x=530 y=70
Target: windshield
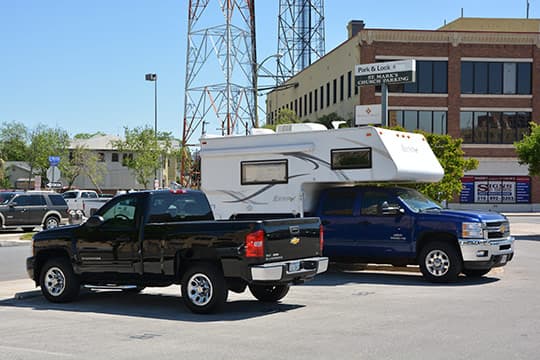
x=69 y=195
x=417 y=201
x=5 y=197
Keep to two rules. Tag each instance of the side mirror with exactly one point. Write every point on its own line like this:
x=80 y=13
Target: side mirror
x=94 y=221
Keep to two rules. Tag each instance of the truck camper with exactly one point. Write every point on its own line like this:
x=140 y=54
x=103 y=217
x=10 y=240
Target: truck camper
x=280 y=174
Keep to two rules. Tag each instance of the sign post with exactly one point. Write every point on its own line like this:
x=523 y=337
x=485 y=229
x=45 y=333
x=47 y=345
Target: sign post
x=384 y=73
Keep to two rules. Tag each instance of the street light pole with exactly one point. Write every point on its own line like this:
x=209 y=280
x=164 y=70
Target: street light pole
x=153 y=77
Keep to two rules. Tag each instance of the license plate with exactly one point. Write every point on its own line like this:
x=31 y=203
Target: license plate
x=294 y=266
x=503 y=259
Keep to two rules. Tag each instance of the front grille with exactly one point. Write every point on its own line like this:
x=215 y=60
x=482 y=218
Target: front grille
x=498 y=229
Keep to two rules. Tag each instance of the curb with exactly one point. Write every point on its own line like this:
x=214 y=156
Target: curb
x=8 y=243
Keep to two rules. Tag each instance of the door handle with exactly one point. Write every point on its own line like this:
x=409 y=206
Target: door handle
x=364 y=222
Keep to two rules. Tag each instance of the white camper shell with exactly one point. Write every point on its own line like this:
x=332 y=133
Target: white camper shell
x=281 y=173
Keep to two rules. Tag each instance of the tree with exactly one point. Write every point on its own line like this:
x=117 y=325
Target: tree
x=45 y=142
x=82 y=161
x=327 y=120
x=13 y=141
x=528 y=150
x=86 y=136
x=4 y=181
x=285 y=116
x=449 y=153
x=147 y=150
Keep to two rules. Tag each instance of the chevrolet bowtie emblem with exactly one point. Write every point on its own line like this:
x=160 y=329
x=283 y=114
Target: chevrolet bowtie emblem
x=294 y=241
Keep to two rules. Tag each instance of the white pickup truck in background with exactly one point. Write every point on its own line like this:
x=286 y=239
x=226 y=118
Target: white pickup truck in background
x=82 y=202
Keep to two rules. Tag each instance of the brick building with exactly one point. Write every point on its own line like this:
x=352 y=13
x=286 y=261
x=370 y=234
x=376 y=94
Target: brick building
x=475 y=79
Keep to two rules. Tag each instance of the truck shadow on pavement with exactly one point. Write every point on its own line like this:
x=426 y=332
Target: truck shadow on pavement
x=152 y=306
x=410 y=276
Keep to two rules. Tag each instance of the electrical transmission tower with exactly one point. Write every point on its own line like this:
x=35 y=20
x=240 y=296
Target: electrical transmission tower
x=220 y=69
x=300 y=35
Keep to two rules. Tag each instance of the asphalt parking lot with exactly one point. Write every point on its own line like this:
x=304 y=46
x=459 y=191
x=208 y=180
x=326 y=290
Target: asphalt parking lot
x=340 y=315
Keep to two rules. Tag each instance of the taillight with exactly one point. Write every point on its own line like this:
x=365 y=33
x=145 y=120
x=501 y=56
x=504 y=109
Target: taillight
x=255 y=244
x=321 y=238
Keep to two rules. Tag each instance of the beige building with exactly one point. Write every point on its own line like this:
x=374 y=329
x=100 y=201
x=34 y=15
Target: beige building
x=476 y=79
x=117 y=176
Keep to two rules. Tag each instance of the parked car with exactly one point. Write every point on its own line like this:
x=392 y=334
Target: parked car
x=33 y=208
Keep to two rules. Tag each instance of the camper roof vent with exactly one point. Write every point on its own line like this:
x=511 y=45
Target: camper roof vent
x=283 y=128
x=261 y=131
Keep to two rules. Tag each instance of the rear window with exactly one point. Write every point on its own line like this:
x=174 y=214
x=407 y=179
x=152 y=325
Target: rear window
x=57 y=200
x=5 y=198
x=180 y=207
x=70 y=195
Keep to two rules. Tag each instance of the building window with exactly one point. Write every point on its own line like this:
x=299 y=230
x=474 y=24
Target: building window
x=114 y=157
x=310 y=102
x=126 y=158
x=509 y=78
x=316 y=98
x=264 y=172
x=101 y=156
x=296 y=107
x=321 y=90
x=493 y=127
x=300 y=106
x=349 y=84
x=341 y=87
x=335 y=91
x=305 y=105
x=431 y=78
x=434 y=122
x=327 y=94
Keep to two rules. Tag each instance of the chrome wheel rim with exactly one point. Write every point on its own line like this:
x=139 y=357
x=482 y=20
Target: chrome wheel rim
x=200 y=289
x=437 y=263
x=51 y=223
x=55 y=281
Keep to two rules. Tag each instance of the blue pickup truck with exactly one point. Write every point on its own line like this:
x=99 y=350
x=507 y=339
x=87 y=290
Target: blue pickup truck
x=400 y=226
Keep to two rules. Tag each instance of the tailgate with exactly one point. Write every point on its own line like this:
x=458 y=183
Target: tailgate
x=288 y=239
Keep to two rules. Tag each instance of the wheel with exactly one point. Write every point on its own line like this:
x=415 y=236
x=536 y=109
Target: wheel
x=58 y=281
x=27 y=229
x=51 y=222
x=440 y=262
x=203 y=288
x=476 y=273
x=269 y=293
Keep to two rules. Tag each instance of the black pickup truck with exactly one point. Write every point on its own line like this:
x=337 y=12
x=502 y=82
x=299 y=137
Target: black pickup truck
x=165 y=237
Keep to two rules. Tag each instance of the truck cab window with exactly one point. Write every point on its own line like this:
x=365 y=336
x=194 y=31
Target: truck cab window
x=339 y=204
x=122 y=213
x=373 y=201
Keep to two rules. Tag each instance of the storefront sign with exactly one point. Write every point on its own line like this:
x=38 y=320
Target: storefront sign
x=496 y=189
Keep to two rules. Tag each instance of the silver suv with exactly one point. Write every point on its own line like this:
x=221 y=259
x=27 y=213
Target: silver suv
x=30 y=209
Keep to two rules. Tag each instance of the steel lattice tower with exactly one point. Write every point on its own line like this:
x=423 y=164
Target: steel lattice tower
x=300 y=35
x=220 y=64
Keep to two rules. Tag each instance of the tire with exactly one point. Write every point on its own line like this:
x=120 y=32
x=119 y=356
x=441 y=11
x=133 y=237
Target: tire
x=51 y=222
x=58 y=281
x=440 y=262
x=203 y=288
x=269 y=293
x=28 y=229
x=475 y=273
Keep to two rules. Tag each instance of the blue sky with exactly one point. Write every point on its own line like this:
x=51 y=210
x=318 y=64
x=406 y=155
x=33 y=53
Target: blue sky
x=80 y=65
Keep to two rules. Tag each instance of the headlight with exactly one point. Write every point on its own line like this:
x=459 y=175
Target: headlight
x=472 y=230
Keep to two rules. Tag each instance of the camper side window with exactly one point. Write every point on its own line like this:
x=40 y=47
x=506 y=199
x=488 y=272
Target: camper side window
x=358 y=158
x=264 y=172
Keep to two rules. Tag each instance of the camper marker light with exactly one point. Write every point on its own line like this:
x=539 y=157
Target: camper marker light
x=178 y=191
